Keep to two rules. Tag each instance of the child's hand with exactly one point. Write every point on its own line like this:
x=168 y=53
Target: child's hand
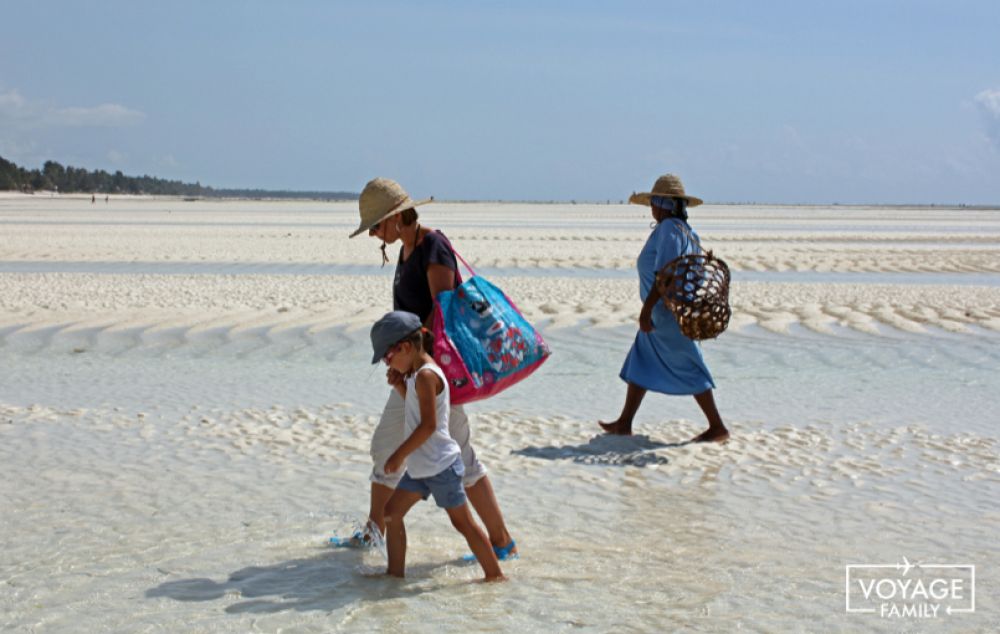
x=393 y=464
x=393 y=376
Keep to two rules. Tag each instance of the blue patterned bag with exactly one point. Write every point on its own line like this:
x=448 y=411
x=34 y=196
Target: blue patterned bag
x=482 y=341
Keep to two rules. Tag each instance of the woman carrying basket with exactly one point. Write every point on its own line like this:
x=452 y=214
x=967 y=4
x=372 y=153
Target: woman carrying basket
x=426 y=267
x=662 y=358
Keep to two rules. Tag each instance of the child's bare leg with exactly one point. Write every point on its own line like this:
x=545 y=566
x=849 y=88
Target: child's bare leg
x=461 y=519
x=395 y=531
x=716 y=431
x=376 y=512
x=633 y=399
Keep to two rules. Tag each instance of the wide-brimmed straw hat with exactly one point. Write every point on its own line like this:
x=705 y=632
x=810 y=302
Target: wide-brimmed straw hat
x=382 y=198
x=667 y=185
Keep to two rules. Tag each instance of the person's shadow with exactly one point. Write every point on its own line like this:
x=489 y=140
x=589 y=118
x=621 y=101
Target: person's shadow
x=606 y=449
x=326 y=582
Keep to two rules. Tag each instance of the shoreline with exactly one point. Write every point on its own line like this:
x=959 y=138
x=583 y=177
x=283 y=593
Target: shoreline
x=16 y=195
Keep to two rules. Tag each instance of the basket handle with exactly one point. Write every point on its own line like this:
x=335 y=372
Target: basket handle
x=691 y=236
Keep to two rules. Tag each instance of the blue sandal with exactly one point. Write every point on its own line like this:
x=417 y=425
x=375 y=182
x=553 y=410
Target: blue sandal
x=357 y=540
x=503 y=553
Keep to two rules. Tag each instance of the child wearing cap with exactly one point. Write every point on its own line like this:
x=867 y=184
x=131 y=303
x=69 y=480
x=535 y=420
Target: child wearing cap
x=432 y=459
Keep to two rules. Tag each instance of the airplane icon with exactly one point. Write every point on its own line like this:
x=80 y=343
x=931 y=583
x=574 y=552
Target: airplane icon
x=906 y=565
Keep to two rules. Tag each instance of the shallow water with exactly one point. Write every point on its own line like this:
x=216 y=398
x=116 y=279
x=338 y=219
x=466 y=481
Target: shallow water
x=945 y=382
x=223 y=468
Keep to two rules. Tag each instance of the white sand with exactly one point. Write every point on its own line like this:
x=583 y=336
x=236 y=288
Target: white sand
x=178 y=443
x=244 y=302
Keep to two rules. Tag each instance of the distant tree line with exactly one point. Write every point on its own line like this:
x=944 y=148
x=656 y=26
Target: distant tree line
x=69 y=179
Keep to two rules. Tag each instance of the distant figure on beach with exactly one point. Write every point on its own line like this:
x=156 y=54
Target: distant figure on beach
x=426 y=266
x=93 y=198
x=662 y=359
x=106 y=197
x=429 y=460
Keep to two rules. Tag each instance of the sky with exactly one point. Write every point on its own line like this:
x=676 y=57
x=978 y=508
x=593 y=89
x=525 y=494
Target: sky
x=835 y=101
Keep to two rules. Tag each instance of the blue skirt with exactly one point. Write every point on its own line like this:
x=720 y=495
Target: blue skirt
x=665 y=360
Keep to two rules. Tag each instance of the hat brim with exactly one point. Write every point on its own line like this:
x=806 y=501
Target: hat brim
x=645 y=199
x=401 y=207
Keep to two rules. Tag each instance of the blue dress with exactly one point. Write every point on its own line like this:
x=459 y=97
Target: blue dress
x=665 y=360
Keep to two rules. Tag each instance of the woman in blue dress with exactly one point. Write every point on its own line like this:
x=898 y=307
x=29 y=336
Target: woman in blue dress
x=662 y=359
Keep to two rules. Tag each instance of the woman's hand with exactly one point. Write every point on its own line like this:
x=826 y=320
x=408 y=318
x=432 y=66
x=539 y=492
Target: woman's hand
x=646 y=314
x=393 y=464
x=646 y=317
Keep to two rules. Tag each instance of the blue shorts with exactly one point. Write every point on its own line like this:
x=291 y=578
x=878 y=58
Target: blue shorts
x=446 y=487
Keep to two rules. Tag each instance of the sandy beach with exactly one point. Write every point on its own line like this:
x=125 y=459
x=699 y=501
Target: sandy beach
x=186 y=404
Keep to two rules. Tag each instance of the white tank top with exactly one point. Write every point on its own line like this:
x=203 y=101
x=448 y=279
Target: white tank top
x=440 y=450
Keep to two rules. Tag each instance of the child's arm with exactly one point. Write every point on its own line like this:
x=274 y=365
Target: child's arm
x=426 y=384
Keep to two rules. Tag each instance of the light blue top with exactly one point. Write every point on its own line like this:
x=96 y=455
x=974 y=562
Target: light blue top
x=665 y=360
x=667 y=242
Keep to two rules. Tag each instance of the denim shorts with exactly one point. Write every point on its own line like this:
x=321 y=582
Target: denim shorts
x=446 y=487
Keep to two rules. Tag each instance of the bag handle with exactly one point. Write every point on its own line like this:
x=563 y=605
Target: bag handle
x=472 y=273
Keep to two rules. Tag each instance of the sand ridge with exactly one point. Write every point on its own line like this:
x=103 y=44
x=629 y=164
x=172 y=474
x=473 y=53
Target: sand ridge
x=60 y=305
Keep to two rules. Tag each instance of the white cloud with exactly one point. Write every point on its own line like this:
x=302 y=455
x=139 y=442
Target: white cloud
x=988 y=103
x=104 y=115
x=18 y=112
x=11 y=100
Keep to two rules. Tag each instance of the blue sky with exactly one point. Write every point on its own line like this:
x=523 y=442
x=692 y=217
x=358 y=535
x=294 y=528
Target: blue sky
x=838 y=101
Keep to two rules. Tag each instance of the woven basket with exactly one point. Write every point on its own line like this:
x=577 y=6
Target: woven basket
x=695 y=288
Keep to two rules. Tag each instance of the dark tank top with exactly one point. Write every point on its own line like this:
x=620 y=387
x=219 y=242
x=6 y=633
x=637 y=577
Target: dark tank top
x=410 y=290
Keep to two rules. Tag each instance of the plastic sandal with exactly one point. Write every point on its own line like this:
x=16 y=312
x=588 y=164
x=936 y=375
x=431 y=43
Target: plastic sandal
x=357 y=540
x=502 y=552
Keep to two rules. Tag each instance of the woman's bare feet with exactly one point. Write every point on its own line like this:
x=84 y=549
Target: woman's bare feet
x=617 y=428
x=712 y=434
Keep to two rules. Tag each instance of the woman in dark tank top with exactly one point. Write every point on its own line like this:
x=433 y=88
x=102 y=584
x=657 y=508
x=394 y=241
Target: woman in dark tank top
x=411 y=286
x=426 y=266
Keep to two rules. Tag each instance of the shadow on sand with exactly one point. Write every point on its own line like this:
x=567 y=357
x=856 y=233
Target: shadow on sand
x=605 y=449
x=326 y=582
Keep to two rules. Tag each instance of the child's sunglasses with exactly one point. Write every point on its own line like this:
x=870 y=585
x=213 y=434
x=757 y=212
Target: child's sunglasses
x=391 y=352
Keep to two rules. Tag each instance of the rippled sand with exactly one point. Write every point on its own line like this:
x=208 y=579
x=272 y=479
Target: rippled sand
x=177 y=447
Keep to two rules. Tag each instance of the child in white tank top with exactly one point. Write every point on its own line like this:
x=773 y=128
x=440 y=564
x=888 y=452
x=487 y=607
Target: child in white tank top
x=440 y=450
x=432 y=458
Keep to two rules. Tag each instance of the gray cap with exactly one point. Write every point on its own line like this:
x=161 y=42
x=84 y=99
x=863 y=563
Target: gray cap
x=391 y=329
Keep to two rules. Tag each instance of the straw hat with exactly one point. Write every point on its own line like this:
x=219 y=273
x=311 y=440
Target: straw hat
x=382 y=198
x=667 y=185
